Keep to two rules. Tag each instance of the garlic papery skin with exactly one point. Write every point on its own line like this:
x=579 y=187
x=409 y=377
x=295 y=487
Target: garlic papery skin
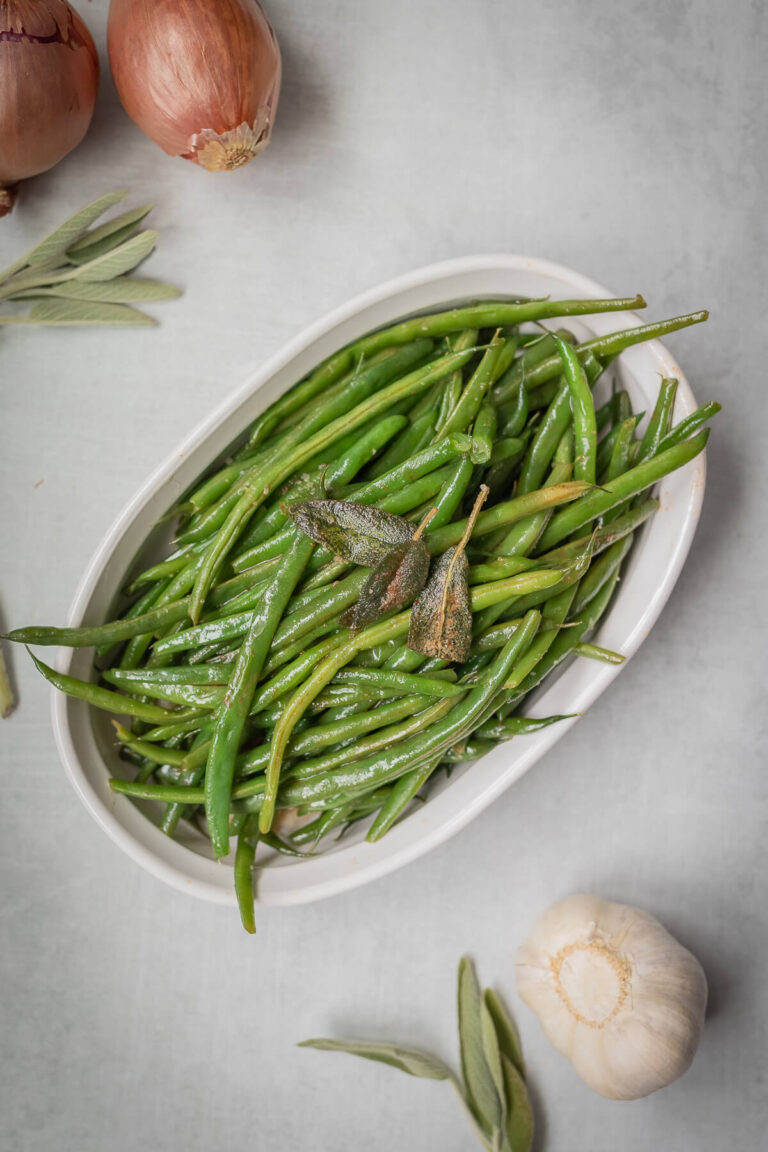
x=615 y=993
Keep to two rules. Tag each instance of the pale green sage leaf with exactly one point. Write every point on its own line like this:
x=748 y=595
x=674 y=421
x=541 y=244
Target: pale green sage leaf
x=119 y=260
x=86 y=312
x=519 y=1123
x=356 y=532
x=482 y=1095
x=107 y=236
x=506 y=1029
x=405 y=1059
x=67 y=233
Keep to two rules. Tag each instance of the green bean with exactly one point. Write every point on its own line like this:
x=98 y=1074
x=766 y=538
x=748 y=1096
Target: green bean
x=605 y=347
x=234 y=708
x=622 y=451
x=103 y=698
x=516 y=726
x=507 y=513
x=399 y=798
x=463 y=415
x=660 y=420
x=483 y=433
x=614 y=492
x=149 y=751
x=454 y=383
x=261 y=481
x=417 y=436
x=604 y=537
x=401 y=681
x=245 y=858
x=490 y=315
x=594 y=652
x=384 y=736
x=600 y=571
x=583 y=412
x=689 y=425
x=373 y=771
x=454 y=487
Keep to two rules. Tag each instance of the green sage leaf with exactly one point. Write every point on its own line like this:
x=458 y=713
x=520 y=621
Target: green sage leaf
x=405 y=1059
x=119 y=260
x=86 y=312
x=506 y=1029
x=67 y=233
x=123 y=290
x=519 y=1123
x=481 y=1091
x=352 y=531
x=393 y=583
x=107 y=236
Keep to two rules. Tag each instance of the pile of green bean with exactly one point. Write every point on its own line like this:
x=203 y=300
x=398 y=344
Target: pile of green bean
x=247 y=697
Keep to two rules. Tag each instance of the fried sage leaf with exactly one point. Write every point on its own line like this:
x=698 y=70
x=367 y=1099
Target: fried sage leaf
x=352 y=531
x=441 y=618
x=393 y=583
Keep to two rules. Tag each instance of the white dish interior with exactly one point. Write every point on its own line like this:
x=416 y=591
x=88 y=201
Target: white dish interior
x=84 y=736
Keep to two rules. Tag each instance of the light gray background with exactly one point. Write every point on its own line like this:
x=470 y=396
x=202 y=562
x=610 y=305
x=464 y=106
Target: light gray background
x=623 y=140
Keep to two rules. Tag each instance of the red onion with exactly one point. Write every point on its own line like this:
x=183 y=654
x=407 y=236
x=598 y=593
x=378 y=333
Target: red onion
x=49 y=75
x=200 y=77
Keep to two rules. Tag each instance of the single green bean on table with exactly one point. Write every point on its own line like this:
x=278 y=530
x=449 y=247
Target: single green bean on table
x=247 y=694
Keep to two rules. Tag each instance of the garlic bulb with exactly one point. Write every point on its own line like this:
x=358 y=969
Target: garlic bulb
x=615 y=993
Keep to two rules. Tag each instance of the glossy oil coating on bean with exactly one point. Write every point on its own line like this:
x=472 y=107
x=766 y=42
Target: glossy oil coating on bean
x=240 y=692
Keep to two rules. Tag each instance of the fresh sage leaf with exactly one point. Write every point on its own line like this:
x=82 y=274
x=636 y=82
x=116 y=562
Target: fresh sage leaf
x=492 y=1054
x=481 y=1091
x=107 y=236
x=519 y=1122
x=406 y=1059
x=67 y=233
x=86 y=312
x=352 y=531
x=123 y=290
x=441 y=618
x=393 y=583
x=121 y=259
x=506 y=1030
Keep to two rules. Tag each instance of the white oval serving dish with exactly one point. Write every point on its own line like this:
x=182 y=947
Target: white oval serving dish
x=83 y=736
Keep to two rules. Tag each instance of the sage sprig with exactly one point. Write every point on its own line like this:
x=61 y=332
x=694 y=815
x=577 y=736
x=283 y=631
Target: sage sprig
x=79 y=274
x=492 y=1083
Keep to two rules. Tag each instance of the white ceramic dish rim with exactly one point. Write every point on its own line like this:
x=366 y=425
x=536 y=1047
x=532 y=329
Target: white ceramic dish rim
x=471 y=793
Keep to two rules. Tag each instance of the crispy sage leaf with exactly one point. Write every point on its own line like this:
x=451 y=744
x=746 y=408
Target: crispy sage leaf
x=481 y=1091
x=506 y=1030
x=407 y=1060
x=352 y=531
x=519 y=1121
x=441 y=618
x=392 y=584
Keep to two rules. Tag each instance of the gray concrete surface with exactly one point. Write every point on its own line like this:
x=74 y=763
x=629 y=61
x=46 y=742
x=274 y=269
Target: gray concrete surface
x=623 y=140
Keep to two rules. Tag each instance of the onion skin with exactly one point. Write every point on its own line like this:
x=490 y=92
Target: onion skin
x=200 y=78
x=49 y=76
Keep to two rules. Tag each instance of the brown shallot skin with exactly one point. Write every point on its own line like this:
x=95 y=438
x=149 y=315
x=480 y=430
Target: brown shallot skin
x=49 y=76
x=200 y=78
